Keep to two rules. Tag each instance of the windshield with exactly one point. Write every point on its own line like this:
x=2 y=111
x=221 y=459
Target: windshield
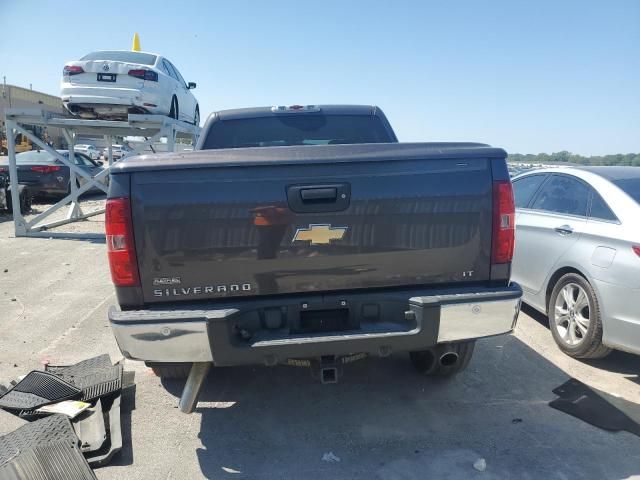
x=296 y=129
x=631 y=187
x=117 y=56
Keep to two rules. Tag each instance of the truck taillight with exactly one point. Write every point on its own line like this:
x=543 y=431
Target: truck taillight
x=120 y=245
x=503 y=222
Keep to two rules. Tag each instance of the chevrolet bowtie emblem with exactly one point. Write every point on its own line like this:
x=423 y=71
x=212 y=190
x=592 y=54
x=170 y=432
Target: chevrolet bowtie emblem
x=319 y=234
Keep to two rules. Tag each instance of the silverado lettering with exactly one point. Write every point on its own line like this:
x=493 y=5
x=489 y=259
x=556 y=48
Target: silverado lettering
x=183 y=291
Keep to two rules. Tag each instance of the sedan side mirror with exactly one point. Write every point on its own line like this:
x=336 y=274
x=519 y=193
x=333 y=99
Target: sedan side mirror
x=99 y=162
x=191 y=85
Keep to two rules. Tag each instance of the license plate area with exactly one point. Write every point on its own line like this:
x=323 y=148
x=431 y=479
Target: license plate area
x=107 y=77
x=324 y=320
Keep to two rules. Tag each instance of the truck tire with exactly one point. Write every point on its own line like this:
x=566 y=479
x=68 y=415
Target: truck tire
x=171 y=371
x=574 y=318
x=444 y=360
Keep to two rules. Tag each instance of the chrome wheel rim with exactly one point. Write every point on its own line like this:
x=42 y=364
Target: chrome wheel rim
x=572 y=314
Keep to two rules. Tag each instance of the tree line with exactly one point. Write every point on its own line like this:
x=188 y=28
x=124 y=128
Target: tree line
x=628 y=159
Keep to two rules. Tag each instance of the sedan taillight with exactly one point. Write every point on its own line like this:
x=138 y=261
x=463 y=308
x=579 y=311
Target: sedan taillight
x=144 y=74
x=636 y=248
x=72 y=70
x=45 y=168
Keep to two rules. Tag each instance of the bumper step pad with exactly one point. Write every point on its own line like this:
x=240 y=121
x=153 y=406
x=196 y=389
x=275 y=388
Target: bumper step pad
x=38 y=389
x=47 y=449
x=97 y=377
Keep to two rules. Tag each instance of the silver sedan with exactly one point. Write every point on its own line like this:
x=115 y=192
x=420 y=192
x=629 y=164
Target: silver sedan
x=577 y=255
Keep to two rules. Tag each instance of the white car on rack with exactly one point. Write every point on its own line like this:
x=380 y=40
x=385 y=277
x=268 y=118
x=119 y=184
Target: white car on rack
x=117 y=152
x=89 y=150
x=112 y=84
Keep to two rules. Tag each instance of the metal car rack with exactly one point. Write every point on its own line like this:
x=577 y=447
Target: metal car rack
x=151 y=127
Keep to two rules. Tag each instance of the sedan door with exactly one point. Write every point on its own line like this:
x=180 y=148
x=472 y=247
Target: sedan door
x=173 y=85
x=185 y=97
x=547 y=227
x=89 y=166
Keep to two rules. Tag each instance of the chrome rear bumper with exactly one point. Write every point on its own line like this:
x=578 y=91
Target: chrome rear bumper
x=203 y=335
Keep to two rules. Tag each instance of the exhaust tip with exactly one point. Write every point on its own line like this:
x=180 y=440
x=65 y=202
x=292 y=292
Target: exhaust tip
x=448 y=359
x=329 y=375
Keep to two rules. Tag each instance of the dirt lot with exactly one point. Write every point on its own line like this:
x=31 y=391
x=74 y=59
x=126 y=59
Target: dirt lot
x=381 y=421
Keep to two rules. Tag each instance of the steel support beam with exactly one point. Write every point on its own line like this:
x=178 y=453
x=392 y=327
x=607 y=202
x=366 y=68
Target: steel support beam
x=153 y=127
x=18 y=220
x=191 y=391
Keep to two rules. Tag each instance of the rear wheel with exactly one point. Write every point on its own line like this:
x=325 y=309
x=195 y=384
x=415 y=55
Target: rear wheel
x=443 y=360
x=574 y=318
x=69 y=188
x=174 y=111
x=25 y=200
x=170 y=370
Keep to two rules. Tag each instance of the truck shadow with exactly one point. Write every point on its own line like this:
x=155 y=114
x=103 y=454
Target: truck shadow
x=383 y=420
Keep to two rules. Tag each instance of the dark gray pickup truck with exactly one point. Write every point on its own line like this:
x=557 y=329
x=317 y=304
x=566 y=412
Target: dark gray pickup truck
x=309 y=236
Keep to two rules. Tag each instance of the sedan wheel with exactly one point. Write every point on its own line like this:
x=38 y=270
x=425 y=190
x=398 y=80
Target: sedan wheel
x=572 y=314
x=575 y=319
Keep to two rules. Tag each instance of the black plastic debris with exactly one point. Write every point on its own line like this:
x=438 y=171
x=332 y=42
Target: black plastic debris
x=47 y=449
x=597 y=408
x=90 y=428
x=97 y=377
x=113 y=442
x=37 y=389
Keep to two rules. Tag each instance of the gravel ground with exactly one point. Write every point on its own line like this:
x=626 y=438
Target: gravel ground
x=380 y=421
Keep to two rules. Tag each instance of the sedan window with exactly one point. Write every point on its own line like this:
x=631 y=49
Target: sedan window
x=180 y=79
x=563 y=194
x=80 y=159
x=600 y=210
x=631 y=186
x=167 y=68
x=33 y=156
x=524 y=188
x=122 y=56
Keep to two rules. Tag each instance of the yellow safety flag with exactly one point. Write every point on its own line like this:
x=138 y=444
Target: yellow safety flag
x=136 y=43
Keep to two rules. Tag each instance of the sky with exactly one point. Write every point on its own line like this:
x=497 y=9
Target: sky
x=531 y=77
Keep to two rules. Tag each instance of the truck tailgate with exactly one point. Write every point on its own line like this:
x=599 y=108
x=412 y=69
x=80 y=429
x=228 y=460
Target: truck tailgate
x=311 y=223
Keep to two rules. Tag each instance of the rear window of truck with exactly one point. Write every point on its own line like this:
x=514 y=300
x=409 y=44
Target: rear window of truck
x=296 y=129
